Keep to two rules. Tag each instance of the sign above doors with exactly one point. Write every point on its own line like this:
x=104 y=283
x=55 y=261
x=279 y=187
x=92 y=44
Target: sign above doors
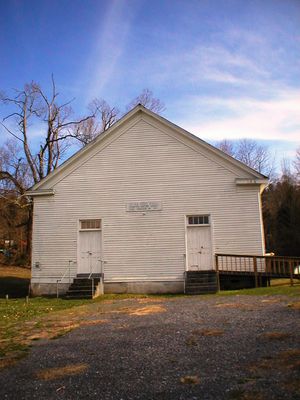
x=144 y=206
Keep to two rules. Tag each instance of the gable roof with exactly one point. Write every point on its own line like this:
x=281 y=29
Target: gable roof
x=125 y=120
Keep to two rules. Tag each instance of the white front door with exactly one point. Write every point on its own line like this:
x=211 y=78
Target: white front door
x=199 y=249
x=89 y=252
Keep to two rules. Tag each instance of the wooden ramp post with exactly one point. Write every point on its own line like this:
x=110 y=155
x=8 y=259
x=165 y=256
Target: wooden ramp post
x=255 y=271
x=217 y=271
x=291 y=272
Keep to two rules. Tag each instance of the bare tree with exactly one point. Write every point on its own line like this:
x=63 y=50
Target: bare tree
x=103 y=117
x=33 y=109
x=14 y=171
x=15 y=210
x=227 y=146
x=297 y=164
x=22 y=162
x=147 y=100
x=251 y=153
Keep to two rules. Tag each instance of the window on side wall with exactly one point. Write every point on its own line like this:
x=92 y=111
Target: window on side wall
x=90 y=224
x=198 y=220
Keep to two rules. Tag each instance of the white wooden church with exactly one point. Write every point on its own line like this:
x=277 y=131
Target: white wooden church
x=139 y=206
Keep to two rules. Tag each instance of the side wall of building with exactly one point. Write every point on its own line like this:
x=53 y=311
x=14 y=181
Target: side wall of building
x=145 y=163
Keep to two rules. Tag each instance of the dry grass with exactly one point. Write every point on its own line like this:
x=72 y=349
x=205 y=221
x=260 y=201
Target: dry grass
x=208 y=332
x=285 y=360
x=247 y=395
x=293 y=386
x=190 y=380
x=191 y=341
x=284 y=282
x=59 y=372
x=123 y=326
x=287 y=363
x=147 y=310
x=17 y=272
x=295 y=305
x=53 y=327
x=239 y=306
x=151 y=300
x=93 y=322
x=275 y=336
x=270 y=301
x=13 y=358
x=290 y=359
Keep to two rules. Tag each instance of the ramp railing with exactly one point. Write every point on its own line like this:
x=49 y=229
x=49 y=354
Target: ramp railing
x=268 y=266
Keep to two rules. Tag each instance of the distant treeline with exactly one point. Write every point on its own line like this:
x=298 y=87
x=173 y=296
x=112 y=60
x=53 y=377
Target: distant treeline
x=281 y=214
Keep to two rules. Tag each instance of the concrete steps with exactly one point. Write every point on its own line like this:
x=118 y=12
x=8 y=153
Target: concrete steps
x=83 y=287
x=201 y=282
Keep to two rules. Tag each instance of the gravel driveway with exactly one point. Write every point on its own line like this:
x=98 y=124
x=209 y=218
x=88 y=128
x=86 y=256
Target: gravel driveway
x=199 y=347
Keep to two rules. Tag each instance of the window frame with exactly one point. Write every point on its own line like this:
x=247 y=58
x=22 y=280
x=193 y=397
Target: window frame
x=198 y=216
x=81 y=229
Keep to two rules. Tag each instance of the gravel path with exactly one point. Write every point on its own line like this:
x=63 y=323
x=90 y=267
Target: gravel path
x=233 y=347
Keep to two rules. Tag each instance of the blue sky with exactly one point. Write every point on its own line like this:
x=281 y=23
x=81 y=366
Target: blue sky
x=224 y=69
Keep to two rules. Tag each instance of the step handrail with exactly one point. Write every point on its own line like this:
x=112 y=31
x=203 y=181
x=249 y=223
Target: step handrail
x=68 y=269
x=91 y=273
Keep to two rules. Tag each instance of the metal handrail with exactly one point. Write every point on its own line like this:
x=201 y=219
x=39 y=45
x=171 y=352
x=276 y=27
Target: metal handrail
x=91 y=273
x=68 y=269
x=101 y=268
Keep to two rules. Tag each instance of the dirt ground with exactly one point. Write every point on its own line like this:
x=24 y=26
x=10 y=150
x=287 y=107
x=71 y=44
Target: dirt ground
x=198 y=347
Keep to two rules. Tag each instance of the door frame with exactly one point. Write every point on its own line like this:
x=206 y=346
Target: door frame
x=87 y=230
x=187 y=226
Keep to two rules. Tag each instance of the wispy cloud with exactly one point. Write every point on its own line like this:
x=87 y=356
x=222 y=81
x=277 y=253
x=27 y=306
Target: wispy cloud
x=231 y=58
x=110 y=43
x=231 y=88
x=190 y=67
x=275 y=119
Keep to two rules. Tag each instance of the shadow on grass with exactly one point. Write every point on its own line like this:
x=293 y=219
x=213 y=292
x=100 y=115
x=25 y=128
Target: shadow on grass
x=13 y=286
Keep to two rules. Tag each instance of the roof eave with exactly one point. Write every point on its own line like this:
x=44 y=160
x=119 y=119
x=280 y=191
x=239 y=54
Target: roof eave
x=40 y=192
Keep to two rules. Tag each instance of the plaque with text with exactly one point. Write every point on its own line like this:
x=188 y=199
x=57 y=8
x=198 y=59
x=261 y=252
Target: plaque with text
x=144 y=206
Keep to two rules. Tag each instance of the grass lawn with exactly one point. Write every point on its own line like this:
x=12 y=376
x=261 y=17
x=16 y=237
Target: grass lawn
x=21 y=321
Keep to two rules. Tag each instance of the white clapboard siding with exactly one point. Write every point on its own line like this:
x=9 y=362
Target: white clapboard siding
x=148 y=162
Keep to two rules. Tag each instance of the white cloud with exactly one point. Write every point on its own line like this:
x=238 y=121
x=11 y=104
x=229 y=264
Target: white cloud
x=273 y=119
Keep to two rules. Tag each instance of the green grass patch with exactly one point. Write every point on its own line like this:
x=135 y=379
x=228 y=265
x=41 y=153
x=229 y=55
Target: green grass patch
x=17 y=310
x=264 y=291
x=20 y=320
x=13 y=311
